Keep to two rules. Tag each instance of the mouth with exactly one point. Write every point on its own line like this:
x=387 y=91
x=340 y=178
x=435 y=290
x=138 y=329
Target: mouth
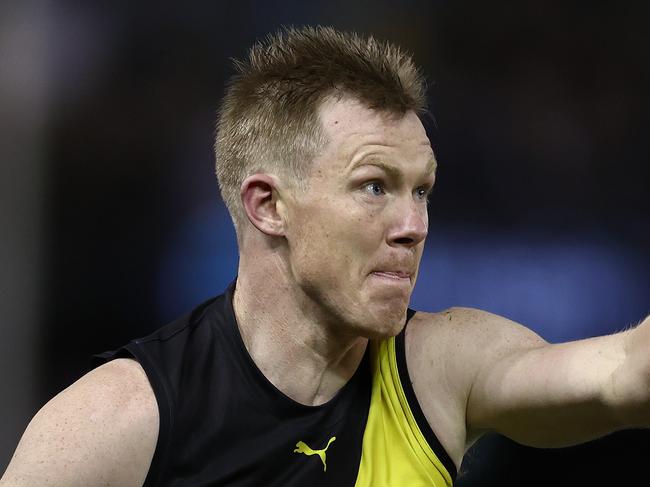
x=395 y=276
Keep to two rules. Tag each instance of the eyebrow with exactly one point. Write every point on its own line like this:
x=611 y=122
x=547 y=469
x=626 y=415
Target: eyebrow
x=392 y=171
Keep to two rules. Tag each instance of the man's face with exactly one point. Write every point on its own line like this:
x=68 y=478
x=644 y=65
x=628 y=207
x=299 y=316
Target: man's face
x=357 y=233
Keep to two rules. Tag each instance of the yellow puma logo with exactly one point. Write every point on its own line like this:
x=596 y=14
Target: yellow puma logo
x=301 y=447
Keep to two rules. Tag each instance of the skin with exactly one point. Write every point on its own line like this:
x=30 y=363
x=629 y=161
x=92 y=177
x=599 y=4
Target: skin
x=318 y=285
x=339 y=260
x=102 y=430
x=324 y=270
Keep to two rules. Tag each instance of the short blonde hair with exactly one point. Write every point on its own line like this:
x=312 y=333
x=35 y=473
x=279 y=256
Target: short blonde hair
x=268 y=120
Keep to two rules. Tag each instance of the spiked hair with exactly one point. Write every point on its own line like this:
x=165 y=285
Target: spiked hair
x=268 y=120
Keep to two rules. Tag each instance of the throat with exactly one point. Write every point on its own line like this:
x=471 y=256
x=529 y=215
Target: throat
x=298 y=357
x=301 y=373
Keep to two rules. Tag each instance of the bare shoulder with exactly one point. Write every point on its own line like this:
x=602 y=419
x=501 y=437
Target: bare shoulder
x=461 y=341
x=467 y=330
x=445 y=352
x=102 y=430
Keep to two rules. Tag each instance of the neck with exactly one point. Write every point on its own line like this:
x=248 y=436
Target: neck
x=298 y=350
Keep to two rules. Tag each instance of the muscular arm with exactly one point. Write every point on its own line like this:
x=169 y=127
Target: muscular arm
x=551 y=395
x=102 y=430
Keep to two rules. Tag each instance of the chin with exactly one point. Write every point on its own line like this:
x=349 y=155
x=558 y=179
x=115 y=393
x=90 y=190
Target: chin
x=387 y=322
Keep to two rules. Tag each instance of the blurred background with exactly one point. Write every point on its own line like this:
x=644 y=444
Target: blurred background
x=111 y=224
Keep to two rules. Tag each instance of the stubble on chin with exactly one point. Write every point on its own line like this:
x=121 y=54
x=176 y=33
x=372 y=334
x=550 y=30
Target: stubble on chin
x=385 y=322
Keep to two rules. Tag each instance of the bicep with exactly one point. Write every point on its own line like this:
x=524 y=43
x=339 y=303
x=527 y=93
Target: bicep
x=541 y=394
x=102 y=430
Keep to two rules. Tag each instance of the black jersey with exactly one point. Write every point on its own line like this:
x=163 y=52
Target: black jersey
x=223 y=423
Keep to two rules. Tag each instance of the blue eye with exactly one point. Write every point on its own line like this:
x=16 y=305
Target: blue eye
x=375 y=188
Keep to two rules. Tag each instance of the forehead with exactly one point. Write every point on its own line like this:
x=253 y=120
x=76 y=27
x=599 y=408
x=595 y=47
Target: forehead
x=352 y=128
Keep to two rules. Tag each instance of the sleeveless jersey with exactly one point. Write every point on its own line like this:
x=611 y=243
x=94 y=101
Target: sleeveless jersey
x=223 y=423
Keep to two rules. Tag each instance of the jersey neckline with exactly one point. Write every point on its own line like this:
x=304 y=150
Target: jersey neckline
x=275 y=398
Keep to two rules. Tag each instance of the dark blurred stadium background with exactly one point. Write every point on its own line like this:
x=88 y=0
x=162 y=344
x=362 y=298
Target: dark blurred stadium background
x=111 y=223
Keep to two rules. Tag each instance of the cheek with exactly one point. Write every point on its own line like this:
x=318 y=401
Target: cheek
x=332 y=244
x=348 y=236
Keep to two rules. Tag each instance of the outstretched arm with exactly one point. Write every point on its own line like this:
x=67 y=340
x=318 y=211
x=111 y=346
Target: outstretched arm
x=631 y=381
x=551 y=395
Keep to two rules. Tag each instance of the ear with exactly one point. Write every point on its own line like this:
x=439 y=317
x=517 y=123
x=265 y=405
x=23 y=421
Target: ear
x=259 y=196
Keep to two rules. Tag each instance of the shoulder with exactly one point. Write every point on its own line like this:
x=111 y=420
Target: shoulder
x=101 y=429
x=445 y=353
x=469 y=329
x=464 y=340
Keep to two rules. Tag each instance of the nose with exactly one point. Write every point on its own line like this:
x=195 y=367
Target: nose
x=410 y=225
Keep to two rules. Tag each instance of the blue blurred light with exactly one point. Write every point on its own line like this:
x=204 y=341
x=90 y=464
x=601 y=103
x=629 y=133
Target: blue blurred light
x=564 y=289
x=199 y=261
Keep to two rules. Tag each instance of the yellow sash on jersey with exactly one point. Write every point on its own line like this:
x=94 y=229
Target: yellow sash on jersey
x=395 y=453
